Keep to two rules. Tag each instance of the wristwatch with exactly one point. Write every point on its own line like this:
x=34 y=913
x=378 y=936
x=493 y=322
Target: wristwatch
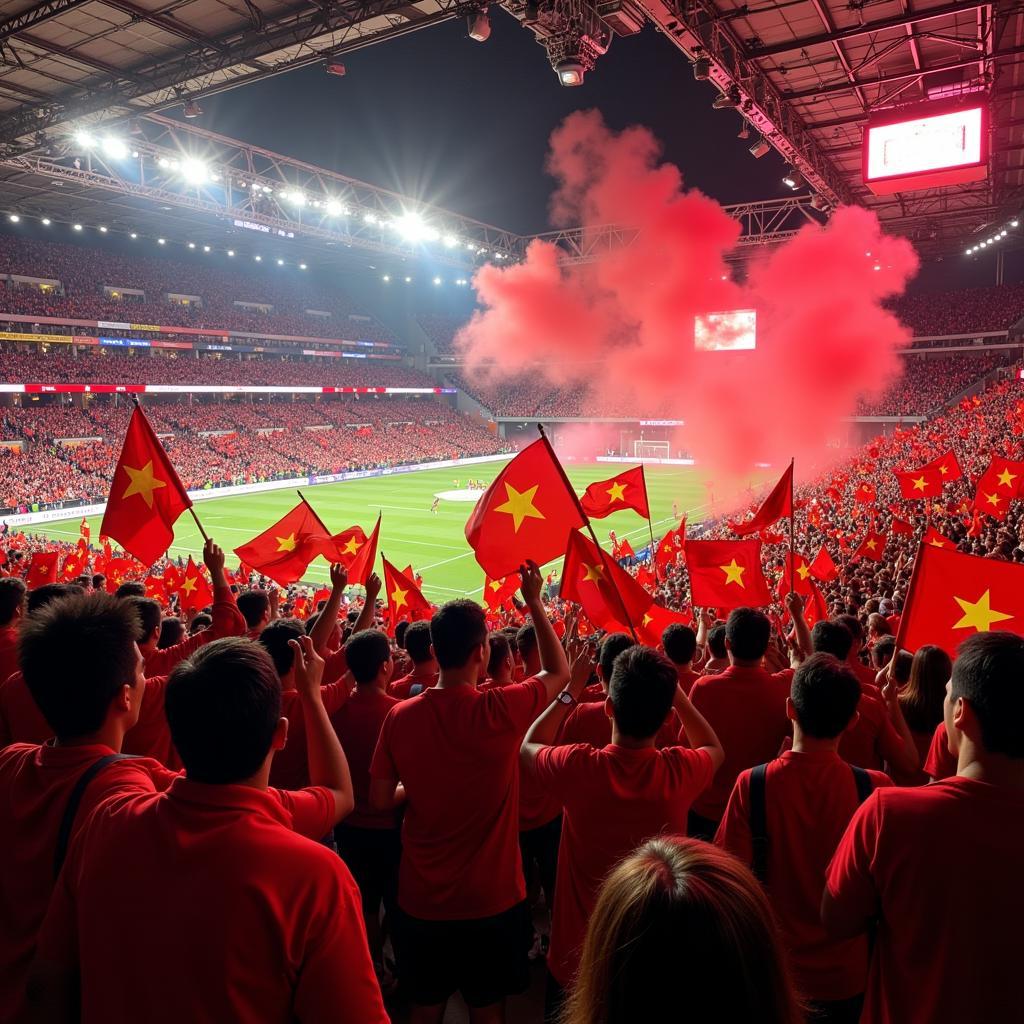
x=565 y=697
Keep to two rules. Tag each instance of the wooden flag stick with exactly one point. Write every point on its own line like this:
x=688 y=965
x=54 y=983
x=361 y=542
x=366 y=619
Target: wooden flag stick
x=792 y=523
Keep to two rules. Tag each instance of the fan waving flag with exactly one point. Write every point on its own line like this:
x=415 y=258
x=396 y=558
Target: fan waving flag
x=778 y=504
x=526 y=513
x=194 y=592
x=627 y=490
x=866 y=493
x=671 y=546
x=919 y=483
x=946 y=466
x=362 y=565
x=953 y=596
x=83 y=529
x=871 y=547
x=726 y=574
x=283 y=551
x=404 y=598
x=347 y=544
x=42 y=569
x=497 y=592
x=146 y=496
x=797 y=576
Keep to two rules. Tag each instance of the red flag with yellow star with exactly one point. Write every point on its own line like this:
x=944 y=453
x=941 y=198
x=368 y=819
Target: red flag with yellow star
x=872 y=547
x=283 y=551
x=497 y=592
x=671 y=547
x=627 y=490
x=934 y=539
x=778 y=504
x=726 y=574
x=74 y=565
x=404 y=598
x=1000 y=484
x=527 y=513
x=42 y=569
x=797 y=576
x=194 y=593
x=347 y=544
x=362 y=565
x=953 y=596
x=946 y=466
x=146 y=496
x=866 y=493
x=919 y=483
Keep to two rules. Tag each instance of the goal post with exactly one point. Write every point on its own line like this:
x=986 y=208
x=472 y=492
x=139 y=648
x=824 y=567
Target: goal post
x=651 y=449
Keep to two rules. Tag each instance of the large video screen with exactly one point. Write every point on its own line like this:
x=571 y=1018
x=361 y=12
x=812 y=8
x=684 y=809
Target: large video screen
x=735 y=330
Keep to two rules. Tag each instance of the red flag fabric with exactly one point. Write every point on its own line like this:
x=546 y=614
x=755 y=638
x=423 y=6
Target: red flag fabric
x=323 y=594
x=872 y=547
x=497 y=592
x=404 y=598
x=283 y=551
x=778 y=504
x=954 y=596
x=935 y=539
x=726 y=574
x=626 y=549
x=946 y=466
x=527 y=513
x=172 y=577
x=83 y=529
x=902 y=528
x=117 y=571
x=671 y=547
x=194 y=593
x=823 y=568
x=799 y=571
x=1000 y=484
x=628 y=490
x=42 y=569
x=919 y=483
x=866 y=493
x=362 y=565
x=146 y=496
x=815 y=610
x=155 y=588
x=347 y=544
x=73 y=566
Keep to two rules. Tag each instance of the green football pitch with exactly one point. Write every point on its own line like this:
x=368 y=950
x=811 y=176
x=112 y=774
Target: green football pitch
x=435 y=544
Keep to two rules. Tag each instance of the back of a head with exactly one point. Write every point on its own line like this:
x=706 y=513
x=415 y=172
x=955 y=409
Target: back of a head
x=716 y=641
x=172 y=632
x=12 y=597
x=611 y=647
x=149 y=612
x=75 y=654
x=825 y=693
x=989 y=674
x=902 y=665
x=42 y=596
x=642 y=687
x=365 y=653
x=417 y=642
x=499 y=654
x=923 y=697
x=882 y=652
x=680 y=901
x=223 y=705
x=400 y=630
x=254 y=606
x=853 y=624
x=202 y=621
x=829 y=636
x=457 y=629
x=275 y=637
x=748 y=632
x=526 y=641
x=879 y=625
x=680 y=643
x=131 y=588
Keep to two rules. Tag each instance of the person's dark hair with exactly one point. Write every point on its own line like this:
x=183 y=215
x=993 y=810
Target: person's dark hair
x=748 y=632
x=254 y=605
x=75 y=654
x=12 y=597
x=149 y=613
x=716 y=640
x=642 y=687
x=309 y=624
x=99 y=581
x=882 y=652
x=987 y=673
x=457 y=629
x=365 y=653
x=223 y=705
x=853 y=624
x=825 y=693
x=879 y=625
x=830 y=636
x=902 y=664
x=202 y=621
x=172 y=632
x=922 y=698
x=401 y=629
x=680 y=901
x=42 y=596
x=500 y=651
x=512 y=635
x=275 y=636
x=526 y=641
x=130 y=588
x=612 y=645
x=417 y=642
x=680 y=642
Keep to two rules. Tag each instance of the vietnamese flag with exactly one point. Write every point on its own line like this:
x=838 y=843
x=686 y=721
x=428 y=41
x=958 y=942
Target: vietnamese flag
x=778 y=504
x=935 y=539
x=866 y=493
x=946 y=466
x=283 y=551
x=627 y=490
x=497 y=592
x=953 y=596
x=902 y=528
x=871 y=547
x=823 y=568
x=626 y=550
x=146 y=496
x=671 y=546
x=404 y=598
x=347 y=544
x=726 y=574
x=73 y=566
x=42 y=569
x=798 y=575
x=919 y=483
x=527 y=513
x=362 y=565
x=83 y=529
x=117 y=571
x=155 y=588
x=172 y=578
x=194 y=593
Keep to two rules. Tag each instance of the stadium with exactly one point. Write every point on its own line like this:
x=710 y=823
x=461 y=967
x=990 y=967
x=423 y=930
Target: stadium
x=547 y=474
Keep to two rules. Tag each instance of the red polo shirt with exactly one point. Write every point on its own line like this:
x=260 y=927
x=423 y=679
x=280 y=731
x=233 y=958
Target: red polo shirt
x=687 y=677
x=227 y=621
x=456 y=750
x=747 y=709
x=872 y=739
x=588 y=723
x=940 y=864
x=613 y=800
x=290 y=767
x=939 y=763
x=231 y=915
x=21 y=721
x=810 y=797
x=425 y=676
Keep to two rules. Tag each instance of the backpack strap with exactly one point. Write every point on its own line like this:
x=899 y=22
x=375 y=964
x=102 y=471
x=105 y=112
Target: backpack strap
x=759 y=822
x=863 y=782
x=67 y=822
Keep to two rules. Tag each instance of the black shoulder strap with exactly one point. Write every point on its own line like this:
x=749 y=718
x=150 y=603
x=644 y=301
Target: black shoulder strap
x=759 y=821
x=863 y=783
x=71 y=811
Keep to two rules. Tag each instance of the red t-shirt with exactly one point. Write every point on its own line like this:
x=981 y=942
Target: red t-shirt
x=425 y=677
x=687 y=677
x=588 y=723
x=227 y=621
x=290 y=767
x=747 y=709
x=613 y=800
x=872 y=739
x=456 y=750
x=35 y=786
x=810 y=797
x=21 y=721
x=231 y=915
x=335 y=666
x=939 y=762
x=940 y=865
x=357 y=723
x=8 y=651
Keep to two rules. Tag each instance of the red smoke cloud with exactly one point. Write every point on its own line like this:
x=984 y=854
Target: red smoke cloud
x=622 y=325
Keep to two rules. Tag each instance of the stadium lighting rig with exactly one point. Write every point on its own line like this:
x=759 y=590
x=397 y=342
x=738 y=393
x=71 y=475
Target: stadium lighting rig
x=994 y=239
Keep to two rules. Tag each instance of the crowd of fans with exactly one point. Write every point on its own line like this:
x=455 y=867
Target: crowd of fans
x=961 y=310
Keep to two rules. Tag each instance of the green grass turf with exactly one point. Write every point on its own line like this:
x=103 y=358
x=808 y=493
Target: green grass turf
x=434 y=544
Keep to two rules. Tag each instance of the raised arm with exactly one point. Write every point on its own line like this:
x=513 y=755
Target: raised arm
x=369 y=609
x=795 y=606
x=328 y=617
x=544 y=731
x=554 y=668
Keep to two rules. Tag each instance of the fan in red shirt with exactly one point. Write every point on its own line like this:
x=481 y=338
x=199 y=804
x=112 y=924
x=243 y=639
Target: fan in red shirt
x=615 y=797
x=241 y=918
x=424 y=665
x=501 y=663
x=679 y=643
x=945 y=945
x=324 y=627
x=12 y=611
x=788 y=825
x=939 y=762
x=254 y=606
x=465 y=924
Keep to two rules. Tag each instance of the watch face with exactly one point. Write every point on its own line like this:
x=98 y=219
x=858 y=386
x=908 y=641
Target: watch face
x=565 y=698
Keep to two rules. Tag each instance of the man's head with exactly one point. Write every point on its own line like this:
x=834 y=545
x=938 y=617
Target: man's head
x=526 y=642
x=882 y=652
x=255 y=608
x=747 y=632
x=641 y=690
x=500 y=662
x=823 y=698
x=172 y=632
x=680 y=643
x=202 y=621
x=131 y=588
x=274 y=637
x=42 y=596
x=81 y=664
x=611 y=647
x=12 y=600
x=831 y=637
x=458 y=631
x=417 y=643
x=856 y=630
x=985 y=697
x=400 y=631
x=223 y=706
x=150 y=616
x=716 y=641
x=368 y=654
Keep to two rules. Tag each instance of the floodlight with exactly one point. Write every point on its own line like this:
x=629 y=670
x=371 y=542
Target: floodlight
x=479 y=26
x=194 y=171
x=46 y=222
x=114 y=148
x=702 y=69
x=77 y=227
x=334 y=208
x=84 y=140
x=570 y=72
x=14 y=218
x=103 y=229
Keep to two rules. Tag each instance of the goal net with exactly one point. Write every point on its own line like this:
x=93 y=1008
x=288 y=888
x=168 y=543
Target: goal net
x=651 y=449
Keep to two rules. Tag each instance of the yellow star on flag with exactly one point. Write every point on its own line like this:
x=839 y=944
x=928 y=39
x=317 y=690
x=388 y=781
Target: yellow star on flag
x=871 y=544
x=803 y=571
x=734 y=573
x=520 y=505
x=617 y=492
x=143 y=482
x=593 y=573
x=980 y=615
x=189 y=584
x=943 y=470
x=351 y=547
x=936 y=543
x=993 y=500
x=919 y=483
x=495 y=585
x=398 y=597
x=648 y=619
x=286 y=543
x=1006 y=477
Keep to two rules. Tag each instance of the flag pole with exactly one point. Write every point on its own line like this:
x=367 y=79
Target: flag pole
x=650 y=527
x=320 y=522
x=792 y=523
x=590 y=528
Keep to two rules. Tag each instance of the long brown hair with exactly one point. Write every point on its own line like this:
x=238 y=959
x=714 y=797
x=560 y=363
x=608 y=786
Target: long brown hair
x=922 y=698
x=682 y=928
